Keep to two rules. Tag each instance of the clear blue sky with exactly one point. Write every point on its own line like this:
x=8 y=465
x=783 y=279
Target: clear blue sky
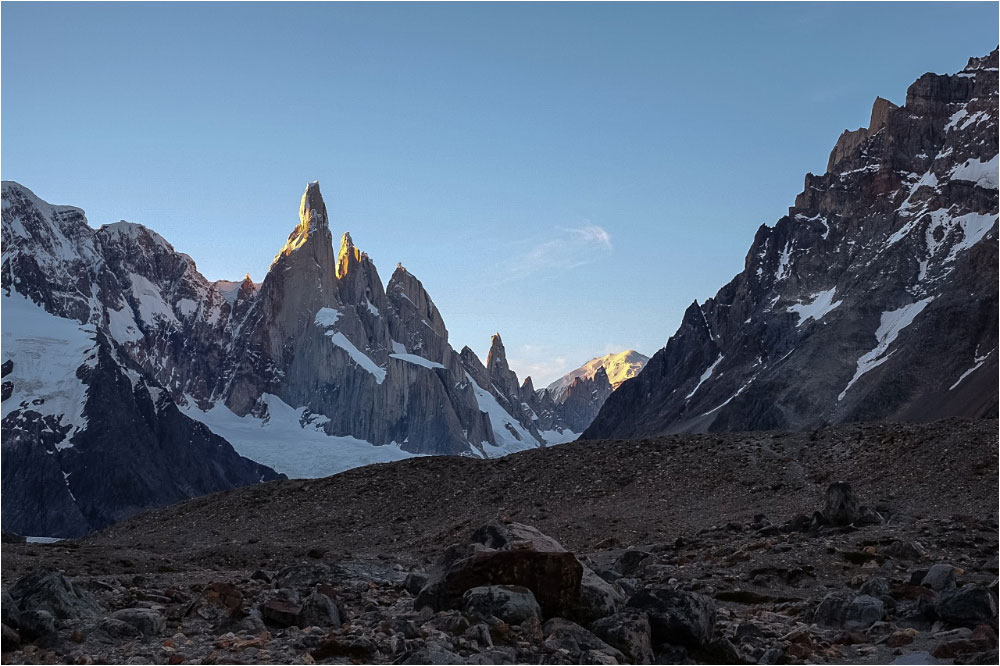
x=570 y=175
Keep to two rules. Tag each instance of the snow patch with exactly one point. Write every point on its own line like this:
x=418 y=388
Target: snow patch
x=891 y=324
x=704 y=376
x=360 y=359
x=152 y=307
x=983 y=174
x=818 y=306
x=417 y=360
x=327 y=317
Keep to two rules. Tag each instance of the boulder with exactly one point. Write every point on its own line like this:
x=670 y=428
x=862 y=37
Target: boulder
x=593 y=597
x=414 y=582
x=876 y=586
x=553 y=577
x=629 y=632
x=319 y=610
x=940 y=578
x=677 y=617
x=582 y=645
x=10 y=640
x=863 y=612
x=118 y=628
x=842 y=505
x=510 y=603
x=50 y=591
x=280 y=612
x=598 y=598
x=9 y=611
x=967 y=607
x=37 y=625
x=148 y=621
x=632 y=563
x=831 y=610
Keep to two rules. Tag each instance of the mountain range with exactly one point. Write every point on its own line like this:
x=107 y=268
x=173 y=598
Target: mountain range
x=129 y=380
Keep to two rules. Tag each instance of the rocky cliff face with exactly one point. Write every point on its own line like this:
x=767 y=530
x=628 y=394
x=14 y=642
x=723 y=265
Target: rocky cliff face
x=89 y=436
x=874 y=298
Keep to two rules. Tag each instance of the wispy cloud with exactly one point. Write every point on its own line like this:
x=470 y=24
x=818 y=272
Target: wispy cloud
x=570 y=248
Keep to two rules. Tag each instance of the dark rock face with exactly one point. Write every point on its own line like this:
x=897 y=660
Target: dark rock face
x=874 y=298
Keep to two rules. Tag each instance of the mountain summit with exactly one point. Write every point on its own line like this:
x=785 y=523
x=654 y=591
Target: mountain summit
x=875 y=298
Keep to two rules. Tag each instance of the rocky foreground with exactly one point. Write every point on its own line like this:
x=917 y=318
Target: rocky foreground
x=858 y=544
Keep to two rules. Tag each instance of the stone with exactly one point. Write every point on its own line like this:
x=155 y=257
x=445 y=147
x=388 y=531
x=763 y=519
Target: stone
x=876 y=586
x=510 y=603
x=303 y=576
x=901 y=638
x=863 y=612
x=10 y=640
x=722 y=651
x=9 y=612
x=629 y=632
x=905 y=550
x=632 y=563
x=582 y=645
x=677 y=617
x=940 y=577
x=967 y=606
x=831 y=610
x=414 y=582
x=36 y=625
x=118 y=628
x=50 y=591
x=842 y=505
x=598 y=598
x=318 y=610
x=280 y=612
x=433 y=654
x=149 y=622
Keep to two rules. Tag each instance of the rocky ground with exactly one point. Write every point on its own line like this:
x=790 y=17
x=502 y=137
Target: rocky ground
x=727 y=548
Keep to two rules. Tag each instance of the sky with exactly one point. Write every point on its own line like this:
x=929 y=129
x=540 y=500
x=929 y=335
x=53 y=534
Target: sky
x=571 y=176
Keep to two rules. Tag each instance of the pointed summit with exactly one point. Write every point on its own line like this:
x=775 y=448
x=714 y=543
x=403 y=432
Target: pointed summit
x=348 y=255
x=312 y=218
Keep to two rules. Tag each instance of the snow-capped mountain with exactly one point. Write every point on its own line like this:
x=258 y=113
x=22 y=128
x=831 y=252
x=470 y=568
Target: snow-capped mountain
x=312 y=371
x=90 y=438
x=874 y=298
x=618 y=367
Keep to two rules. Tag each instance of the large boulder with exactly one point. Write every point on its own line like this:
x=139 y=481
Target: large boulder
x=510 y=603
x=50 y=591
x=863 y=612
x=940 y=578
x=594 y=597
x=842 y=505
x=146 y=620
x=553 y=578
x=967 y=607
x=677 y=617
x=629 y=632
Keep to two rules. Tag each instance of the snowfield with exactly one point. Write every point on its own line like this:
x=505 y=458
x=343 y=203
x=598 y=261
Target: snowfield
x=286 y=444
